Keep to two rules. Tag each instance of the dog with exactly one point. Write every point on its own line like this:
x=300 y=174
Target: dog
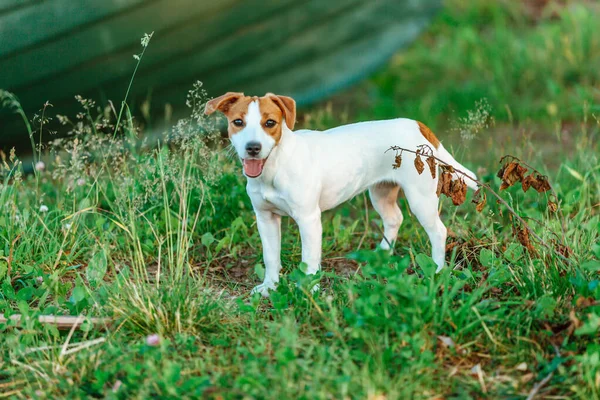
x=303 y=173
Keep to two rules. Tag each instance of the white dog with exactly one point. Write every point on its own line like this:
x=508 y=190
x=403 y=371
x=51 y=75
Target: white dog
x=301 y=174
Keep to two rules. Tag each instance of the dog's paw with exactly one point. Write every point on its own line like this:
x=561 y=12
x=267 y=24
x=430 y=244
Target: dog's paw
x=385 y=246
x=264 y=288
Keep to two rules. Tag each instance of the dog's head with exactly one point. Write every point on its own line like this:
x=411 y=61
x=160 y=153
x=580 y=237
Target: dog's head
x=255 y=125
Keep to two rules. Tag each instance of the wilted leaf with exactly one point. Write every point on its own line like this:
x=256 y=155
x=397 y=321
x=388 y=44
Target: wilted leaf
x=526 y=182
x=397 y=161
x=458 y=192
x=541 y=184
x=444 y=184
x=432 y=166
x=480 y=199
x=538 y=182
x=523 y=236
x=510 y=174
x=447 y=168
x=419 y=164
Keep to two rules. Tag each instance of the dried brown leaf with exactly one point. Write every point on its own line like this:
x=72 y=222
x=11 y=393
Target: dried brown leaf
x=511 y=173
x=447 y=168
x=432 y=166
x=500 y=173
x=480 y=199
x=523 y=236
x=526 y=182
x=397 y=161
x=538 y=182
x=541 y=184
x=419 y=164
x=445 y=184
x=458 y=192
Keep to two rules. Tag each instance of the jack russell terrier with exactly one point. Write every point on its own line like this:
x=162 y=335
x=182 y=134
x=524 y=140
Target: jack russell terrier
x=303 y=173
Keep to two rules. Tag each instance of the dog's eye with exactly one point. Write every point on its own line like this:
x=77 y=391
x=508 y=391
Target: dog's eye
x=238 y=122
x=270 y=123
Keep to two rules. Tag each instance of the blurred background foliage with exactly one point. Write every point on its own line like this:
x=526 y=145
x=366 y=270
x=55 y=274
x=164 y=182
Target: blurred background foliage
x=307 y=49
x=532 y=60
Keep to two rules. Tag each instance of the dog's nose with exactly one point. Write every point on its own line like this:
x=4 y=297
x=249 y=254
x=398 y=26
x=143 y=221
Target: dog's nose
x=253 y=148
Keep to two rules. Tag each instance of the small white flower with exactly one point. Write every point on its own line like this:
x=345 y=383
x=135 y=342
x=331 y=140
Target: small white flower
x=67 y=226
x=153 y=340
x=80 y=182
x=146 y=39
x=39 y=280
x=40 y=166
x=43 y=208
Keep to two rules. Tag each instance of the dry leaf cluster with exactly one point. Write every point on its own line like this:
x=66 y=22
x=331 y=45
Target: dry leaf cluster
x=454 y=189
x=513 y=171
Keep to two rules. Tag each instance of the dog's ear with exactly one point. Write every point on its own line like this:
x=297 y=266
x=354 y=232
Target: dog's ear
x=287 y=106
x=222 y=103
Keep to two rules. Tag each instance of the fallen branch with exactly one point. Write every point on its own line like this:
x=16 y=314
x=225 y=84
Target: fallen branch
x=428 y=152
x=61 y=321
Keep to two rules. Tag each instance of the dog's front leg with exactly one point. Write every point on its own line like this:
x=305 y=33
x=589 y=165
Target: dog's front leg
x=311 y=234
x=269 y=228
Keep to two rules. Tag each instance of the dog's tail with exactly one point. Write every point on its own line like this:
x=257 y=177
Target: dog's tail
x=446 y=157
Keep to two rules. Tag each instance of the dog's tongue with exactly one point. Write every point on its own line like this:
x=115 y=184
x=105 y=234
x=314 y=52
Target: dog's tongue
x=253 y=168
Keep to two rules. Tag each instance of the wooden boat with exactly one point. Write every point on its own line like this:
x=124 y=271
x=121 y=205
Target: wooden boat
x=54 y=49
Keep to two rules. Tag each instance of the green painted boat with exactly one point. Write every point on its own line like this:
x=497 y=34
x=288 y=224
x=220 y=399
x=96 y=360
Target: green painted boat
x=51 y=50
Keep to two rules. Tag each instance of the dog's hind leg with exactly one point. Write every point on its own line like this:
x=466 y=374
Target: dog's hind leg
x=423 y=202
x=384 y=197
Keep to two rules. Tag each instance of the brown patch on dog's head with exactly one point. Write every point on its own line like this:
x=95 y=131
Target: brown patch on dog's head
x=234 y=106
x=287 y=105
x=274 y=111
x=427 y=134
x=222 y=103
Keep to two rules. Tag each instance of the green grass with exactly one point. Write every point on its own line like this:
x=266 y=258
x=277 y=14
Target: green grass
x=161 y=238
